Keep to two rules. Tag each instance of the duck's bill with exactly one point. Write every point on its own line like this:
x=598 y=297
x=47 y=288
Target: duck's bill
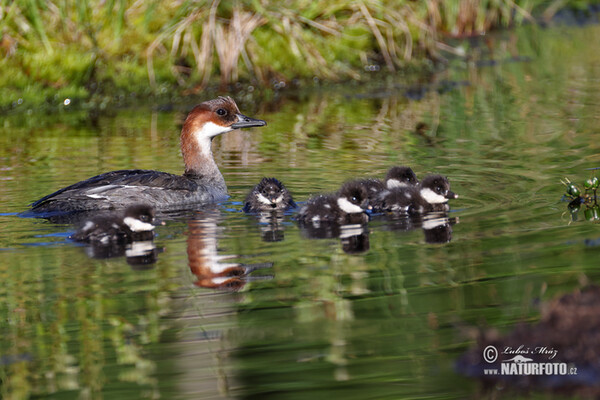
x=247 y=122
x=451 y=195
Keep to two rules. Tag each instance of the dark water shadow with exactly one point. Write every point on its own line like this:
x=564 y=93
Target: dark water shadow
x=559 y=353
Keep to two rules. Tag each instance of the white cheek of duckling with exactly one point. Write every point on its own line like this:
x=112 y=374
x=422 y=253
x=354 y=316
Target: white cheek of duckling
x=263 y=199
x=138 y=226
x=348 y=207
x=432 y=197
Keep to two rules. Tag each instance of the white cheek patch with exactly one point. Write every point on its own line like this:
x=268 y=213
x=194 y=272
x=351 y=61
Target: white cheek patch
x=138 y=226
x=348 y=207
x=263 y=199
x=279 y=199
x=395 y=183
x=210 y=130
x=431 y=197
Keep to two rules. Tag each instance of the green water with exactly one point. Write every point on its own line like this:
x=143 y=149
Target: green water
x=385 y=323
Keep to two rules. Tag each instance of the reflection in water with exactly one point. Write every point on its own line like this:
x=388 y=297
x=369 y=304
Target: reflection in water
x=139 y=254
x=354 y=237
x=566 y=340
x=211 y=269
x=437 y=226
x=271 y=226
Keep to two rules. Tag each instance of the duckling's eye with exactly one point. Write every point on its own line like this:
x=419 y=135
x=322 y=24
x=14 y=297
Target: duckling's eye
x=439 y=189
x=354 y=199
x=222 y=112
x=144 y=218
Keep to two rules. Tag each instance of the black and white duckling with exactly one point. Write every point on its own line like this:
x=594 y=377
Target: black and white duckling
x=431 y=194
x=269 y=195
x=347 y=206
x=396 y=177
x=135 y=223
x=400 y=176
x=373 y=186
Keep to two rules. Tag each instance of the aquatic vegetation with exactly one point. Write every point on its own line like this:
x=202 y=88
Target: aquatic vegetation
x=587 y=197
x=98 y=48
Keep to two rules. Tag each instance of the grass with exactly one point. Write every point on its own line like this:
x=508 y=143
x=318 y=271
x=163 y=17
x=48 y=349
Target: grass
x=91 y=49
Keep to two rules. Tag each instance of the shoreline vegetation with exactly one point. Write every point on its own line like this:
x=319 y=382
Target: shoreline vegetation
x=91 y=53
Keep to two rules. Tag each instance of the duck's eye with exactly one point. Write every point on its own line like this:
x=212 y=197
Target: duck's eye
x=144 y=218
x=354 y=199
x=439 y=189
x=222 y=112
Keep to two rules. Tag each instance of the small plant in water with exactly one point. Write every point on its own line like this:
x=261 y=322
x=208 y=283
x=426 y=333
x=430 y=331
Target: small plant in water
x=587 y=197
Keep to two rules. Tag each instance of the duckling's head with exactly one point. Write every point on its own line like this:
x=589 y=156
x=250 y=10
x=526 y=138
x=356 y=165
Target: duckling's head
x=139 y=217
x=270 y=192
x=435 y=189
x=352 y=198
x=400 y=177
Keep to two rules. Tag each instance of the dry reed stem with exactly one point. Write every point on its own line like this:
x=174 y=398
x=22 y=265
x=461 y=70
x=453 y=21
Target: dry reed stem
x=378 y=36
x=231 y=41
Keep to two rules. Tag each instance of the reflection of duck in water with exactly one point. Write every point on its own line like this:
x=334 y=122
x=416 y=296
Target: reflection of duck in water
x=431 y=194
x=437 y=227
x=129 y=233
x=212 y=270
x=269 y=195
x=135 y=223
x=347 y=206
x=568 y=332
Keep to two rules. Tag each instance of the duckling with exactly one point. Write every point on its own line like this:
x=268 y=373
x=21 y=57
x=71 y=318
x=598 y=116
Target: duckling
x=435 y=191
x=400 y=176
x=430 y=195
x=133 y=224
x=269 y=195
x=347 y=206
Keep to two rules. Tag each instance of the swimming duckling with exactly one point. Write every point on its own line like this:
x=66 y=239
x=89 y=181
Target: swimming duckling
x=347 y=206
x=400 y=176
x=269 y=195
x=133 y=224
x=432 y=194
x=396 y=177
